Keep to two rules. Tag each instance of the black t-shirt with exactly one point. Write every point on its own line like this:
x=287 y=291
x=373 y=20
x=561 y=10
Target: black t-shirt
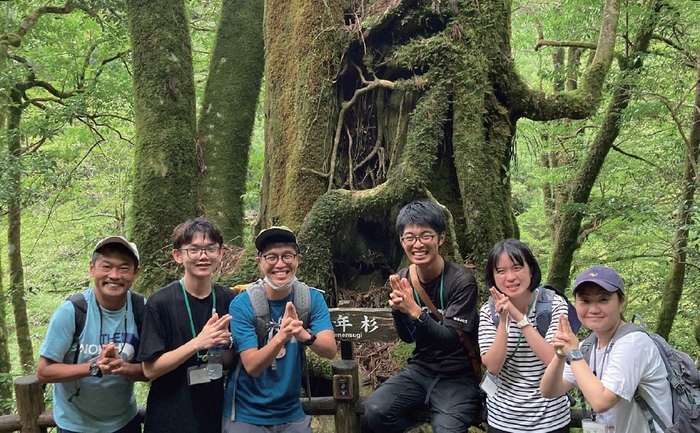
x=458 y=303
x=173 y=405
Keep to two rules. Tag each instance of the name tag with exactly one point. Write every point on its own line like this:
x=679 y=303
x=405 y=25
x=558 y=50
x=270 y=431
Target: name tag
x=590 y=426
x=489 y=384
x=197 y=375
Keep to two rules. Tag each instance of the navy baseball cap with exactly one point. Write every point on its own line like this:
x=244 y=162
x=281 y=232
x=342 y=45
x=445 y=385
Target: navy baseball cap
x=273 y=235
x=603 y=276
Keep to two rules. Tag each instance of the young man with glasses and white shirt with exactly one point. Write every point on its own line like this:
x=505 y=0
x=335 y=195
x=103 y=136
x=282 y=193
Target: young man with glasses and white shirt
x=433 y=303
x=263 y=395
x=182 y=322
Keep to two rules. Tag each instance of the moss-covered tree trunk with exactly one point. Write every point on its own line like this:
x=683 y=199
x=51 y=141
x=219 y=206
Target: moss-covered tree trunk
x=228 y=114
x=673 y=287
x=14 y=235
x=5 y=364
x=370 y=107
x=165 y=160
x=569 y=234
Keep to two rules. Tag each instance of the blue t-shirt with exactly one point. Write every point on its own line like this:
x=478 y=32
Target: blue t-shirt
x=273 y=397
x=92 y=404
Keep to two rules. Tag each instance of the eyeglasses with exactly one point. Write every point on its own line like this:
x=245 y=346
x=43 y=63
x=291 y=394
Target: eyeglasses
x=212 y=251
x=424 y=238
x=272 y=259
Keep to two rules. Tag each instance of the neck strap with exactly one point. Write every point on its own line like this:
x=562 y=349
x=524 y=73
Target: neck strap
x=189 y=310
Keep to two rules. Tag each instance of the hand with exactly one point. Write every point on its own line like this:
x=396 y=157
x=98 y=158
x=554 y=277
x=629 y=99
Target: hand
x=564 y=340
x=401 y=297
x=501 y=304
x=215 y=332
x=290 y=326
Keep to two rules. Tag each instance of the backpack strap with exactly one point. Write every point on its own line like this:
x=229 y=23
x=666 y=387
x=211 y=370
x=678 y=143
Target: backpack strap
x=137 y=305
x=80 y=306
x=302 y=302
x=261 y=310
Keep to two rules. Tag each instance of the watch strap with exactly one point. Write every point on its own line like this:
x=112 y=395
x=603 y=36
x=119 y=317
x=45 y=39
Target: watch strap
x=523 y=322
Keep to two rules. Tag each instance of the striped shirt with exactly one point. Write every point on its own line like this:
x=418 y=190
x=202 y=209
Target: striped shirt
x=518 y=405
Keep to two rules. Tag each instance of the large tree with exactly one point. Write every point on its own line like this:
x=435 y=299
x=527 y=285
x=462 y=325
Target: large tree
x=184 y=167
x=372 y=104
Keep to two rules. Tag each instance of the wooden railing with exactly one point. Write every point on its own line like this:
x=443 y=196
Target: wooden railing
x=352 y=325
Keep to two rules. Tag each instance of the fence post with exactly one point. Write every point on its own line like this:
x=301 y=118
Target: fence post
x=30 y=403
x=346 y=391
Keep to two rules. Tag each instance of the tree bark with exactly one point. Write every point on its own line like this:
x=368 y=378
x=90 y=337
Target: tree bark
x=165 y=161
x=349 y=137
x=673 y=287
x=5 y=364
x=228 y=114
x=570 y=215
x=14 y=224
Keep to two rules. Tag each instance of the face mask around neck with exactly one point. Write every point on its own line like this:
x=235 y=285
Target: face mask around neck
x=284 y=286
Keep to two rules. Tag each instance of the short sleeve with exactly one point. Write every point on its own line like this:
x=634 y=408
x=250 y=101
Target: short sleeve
x=320 y=318
x=559 y=307
x=152 y=343
x=243 y=323
x=59 y=335
x=460 y=311
x=487 y=328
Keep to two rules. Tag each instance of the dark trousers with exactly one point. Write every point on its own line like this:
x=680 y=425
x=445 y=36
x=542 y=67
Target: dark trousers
x=559 y=430
x=134 y=426
x=454 y=403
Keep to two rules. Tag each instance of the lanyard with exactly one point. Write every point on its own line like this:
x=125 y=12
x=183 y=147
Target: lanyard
x=442 y=280
x=189 y=310
x=126 y=313
x=594 y=365
x=520 y=337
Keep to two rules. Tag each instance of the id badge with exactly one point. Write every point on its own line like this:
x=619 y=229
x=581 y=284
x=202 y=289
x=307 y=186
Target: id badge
x=590 y=426
x=489 y=384
x=197 y=374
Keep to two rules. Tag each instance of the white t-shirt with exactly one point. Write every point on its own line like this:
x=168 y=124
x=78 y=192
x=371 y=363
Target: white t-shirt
x=633 y=361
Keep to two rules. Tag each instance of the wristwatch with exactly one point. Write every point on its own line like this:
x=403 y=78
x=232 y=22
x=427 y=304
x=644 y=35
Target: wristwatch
x=311 y=340
x=95 y=369
x=422 y=317
x=523 y=322
x=574 y=355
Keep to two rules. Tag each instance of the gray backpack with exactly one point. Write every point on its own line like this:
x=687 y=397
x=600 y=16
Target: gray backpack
x=683 y=378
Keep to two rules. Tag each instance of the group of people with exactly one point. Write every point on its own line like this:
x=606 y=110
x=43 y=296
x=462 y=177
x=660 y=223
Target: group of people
x=529 y=365
x=260 y=337
x=172 y=340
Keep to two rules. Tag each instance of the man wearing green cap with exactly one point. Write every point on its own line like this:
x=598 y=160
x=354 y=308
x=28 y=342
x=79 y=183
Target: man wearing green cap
x=265 y=391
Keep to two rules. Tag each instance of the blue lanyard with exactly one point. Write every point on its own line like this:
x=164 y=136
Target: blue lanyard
x=442 y=280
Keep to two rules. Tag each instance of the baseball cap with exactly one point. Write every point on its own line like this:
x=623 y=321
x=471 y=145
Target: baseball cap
x=121 y=241
x=275 y=234
x=605 y=277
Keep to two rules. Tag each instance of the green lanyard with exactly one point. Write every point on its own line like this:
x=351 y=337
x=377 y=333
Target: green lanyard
x=189 y=310
x=442 y=279
x=520 y=338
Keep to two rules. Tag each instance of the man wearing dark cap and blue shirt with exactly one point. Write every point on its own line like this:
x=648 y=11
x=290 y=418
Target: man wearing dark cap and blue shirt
x=93 y=370
x=263 y=394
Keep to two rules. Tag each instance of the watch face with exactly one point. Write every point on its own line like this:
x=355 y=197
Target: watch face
x=95 y=370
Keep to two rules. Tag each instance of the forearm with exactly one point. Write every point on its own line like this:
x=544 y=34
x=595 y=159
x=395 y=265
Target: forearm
x=494 y=358
x=48 y=371
x=404 y=327
x=133 y=372
x=598 y=396
x=552 y=384
x=169 y=361
x=430 y=331
x=325 y=345
x=255 y=361
x=543 y=350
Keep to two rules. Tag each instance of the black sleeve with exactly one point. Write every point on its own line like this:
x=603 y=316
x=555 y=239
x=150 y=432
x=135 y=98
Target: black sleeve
x=152 y=343
x=433 y=333
x=461 y=311
x=404 y=326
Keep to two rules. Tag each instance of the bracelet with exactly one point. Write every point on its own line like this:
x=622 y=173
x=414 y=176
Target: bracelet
x=230 y=342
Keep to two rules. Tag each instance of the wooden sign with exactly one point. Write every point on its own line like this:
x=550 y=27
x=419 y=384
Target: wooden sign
x=363 y=324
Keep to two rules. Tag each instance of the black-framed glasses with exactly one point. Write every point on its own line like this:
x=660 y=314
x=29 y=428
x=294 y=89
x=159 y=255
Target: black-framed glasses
x=272 y=259
x=212 y=251
x=410 y=239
